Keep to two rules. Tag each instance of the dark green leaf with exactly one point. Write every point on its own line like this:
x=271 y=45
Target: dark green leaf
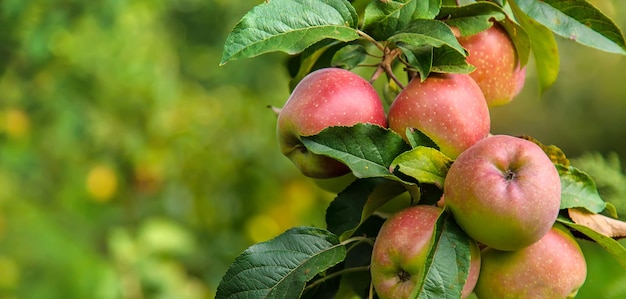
x=420 y=58
x=280 y=268
x=383 y=18
x=612 y=246
x=290 y=26
x=473 y=18
x=448 y=60
x=447 y=266
x=357 y=202
x=418 y=138
x=349 y=56
x=433 y=33
x=544 y=48
x=577 y=20
x=367 y=149
x=425 y=164
x=578 y=190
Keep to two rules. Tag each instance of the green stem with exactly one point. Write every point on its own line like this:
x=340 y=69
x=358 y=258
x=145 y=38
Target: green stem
x=335 y=274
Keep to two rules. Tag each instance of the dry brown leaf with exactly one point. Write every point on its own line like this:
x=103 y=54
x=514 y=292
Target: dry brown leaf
x=602 y=224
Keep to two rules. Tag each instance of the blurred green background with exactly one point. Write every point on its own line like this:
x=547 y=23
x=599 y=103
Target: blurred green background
x=132 y=166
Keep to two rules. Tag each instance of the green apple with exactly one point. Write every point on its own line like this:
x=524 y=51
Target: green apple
x=553 y=267
x=324 y=98
x=401 y=249
x=504 y=192
x=498 y=71
x=449 y=108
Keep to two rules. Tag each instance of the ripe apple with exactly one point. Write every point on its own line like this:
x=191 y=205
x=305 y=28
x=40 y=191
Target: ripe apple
x=401 y=249
x=498 y=71
x=324 y=98
x=504 y=192
x=449 y=108
x=553 y=267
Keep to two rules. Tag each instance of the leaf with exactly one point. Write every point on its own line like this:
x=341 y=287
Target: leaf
x=309 y=60
x=418 y=138
x=280 y=268
x=578 y=190
x=543 y=47
x=448 y=264
x=473 y=18
x=290 y=26
x=425 y=164
x=383 y=18
x=556 y=155
x=449 y=60
x=520 y=39
x=349 y=56
x=357 y=202
x=602 y=224
x=610 y=245
x=577 y=20
x=433 y=33
x=366 y=149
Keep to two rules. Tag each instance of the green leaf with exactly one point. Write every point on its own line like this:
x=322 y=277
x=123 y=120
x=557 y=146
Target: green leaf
x=290 y=26
x=610 y=245
x=544 y=48
x=520 y=39
x=433 y=33
x=578 y=190
x=425 y=164
x=420 y=58
x=383 y=18
x=448 y=264
x=418 y=138
x=473 y=18
x=357 y=202
x=366 y=149
x=280 y=268
x=309 y=60
x=349 y=56
x=577 y=20
x=449 y=60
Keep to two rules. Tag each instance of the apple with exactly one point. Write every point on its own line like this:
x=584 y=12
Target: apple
x=449 y=108
x=324 y=98
x=401 y=249
x=553 y=267
x=504 y=192
x=498 y=71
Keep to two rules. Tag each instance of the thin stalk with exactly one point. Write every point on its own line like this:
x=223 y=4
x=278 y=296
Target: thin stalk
x=335 y=274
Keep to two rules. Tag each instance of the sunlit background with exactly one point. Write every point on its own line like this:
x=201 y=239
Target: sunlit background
x=132 y=166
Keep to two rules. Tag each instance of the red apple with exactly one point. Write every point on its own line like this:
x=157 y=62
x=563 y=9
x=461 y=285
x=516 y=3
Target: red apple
x=498 y=71
x=324 y=98
x=401 y=249
x=553 y=267
x=449 y=108
x=504 y=192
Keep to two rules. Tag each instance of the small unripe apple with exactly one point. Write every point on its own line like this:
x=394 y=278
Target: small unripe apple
x=498 y=71
x=324 y=98
x=504 y=192
x=449 y=108
x=553 y=267
x=401 y=249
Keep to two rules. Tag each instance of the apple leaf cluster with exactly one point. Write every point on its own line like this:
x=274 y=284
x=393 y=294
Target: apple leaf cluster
x=420 y=147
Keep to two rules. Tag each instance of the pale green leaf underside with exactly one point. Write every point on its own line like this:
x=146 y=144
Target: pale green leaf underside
x=290 y=26
x=280 y=268
x=577 y=20
x=425 y=164
x=610 y=245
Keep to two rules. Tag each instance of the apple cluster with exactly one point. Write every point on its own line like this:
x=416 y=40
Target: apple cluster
x=503 y=191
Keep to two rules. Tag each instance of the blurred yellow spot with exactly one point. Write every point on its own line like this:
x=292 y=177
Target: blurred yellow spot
x=101 y=183
x=16 y=123
x=262 y=227
x=9 y=273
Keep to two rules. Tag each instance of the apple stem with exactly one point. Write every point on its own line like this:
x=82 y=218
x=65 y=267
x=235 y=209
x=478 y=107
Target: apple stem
x=276 y=110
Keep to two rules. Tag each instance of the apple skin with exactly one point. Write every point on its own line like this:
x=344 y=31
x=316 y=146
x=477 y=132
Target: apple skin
x=498 y=71
x=401 y=249
x=449 y=108
x=504 y=192
x=553 y=267
x=324 y=98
